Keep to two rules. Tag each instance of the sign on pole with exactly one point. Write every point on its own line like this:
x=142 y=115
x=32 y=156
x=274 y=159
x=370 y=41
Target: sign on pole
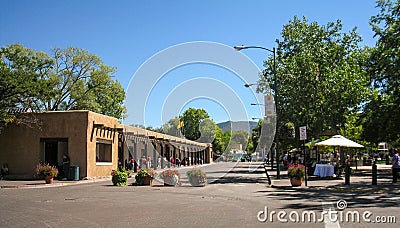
x=303 y=137
x=303 y=133
x=269 y=105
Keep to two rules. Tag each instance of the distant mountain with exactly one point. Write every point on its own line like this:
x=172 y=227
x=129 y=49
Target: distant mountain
x=237 y=126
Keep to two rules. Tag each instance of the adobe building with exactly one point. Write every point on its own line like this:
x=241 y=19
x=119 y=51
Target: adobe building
x=95 y=143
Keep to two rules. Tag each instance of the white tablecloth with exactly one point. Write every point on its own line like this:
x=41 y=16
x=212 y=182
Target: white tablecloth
x=323 y=170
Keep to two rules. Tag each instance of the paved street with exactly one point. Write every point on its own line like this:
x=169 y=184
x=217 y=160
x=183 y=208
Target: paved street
x=237 y=192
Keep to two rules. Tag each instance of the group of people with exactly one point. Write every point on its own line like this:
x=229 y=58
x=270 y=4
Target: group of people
x=144 y=162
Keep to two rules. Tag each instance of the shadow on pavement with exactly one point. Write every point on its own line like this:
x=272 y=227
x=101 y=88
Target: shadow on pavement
x=357 y=195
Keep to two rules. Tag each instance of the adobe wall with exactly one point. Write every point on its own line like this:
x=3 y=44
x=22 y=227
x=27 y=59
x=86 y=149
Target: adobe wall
x=21 y=148
x=106 y=132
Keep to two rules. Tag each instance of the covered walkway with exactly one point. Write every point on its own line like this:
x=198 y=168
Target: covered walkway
x=154 y=150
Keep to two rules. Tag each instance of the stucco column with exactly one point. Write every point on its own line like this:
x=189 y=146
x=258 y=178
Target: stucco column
x=167 y=155
x=154 y=156
x=135 y=155
x=191 y=155
x=162 y=153
x=146 y=147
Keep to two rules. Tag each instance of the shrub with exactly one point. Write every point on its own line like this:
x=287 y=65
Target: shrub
x=119 y=177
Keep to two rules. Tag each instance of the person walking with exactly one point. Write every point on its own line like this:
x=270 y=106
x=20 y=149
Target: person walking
x=395 y=166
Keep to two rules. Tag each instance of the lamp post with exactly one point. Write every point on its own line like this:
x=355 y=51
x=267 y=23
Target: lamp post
x=248 y=85
x=239 y=48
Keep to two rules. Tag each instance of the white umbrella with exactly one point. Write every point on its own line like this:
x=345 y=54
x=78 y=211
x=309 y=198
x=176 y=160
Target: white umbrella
x=338 y=140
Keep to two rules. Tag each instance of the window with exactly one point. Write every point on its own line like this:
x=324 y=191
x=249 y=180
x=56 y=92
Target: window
x=103 y=150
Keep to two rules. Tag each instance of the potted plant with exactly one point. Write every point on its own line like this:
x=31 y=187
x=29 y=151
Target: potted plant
x=171 y=177
x=119 y=177
x=197 y=177
x=296 y=173
x=145 y=177
x=47 y=172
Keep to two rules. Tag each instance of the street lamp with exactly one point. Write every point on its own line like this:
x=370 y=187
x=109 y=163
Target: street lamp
x=273 y=51
x=248 y=85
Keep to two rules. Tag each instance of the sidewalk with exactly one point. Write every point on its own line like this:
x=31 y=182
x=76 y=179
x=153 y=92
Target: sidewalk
x=57 y=183
x=362 y=177
x=42 y=184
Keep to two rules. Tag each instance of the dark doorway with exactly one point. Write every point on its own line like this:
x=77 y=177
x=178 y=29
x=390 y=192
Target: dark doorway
x=53 y=150
x=50 y=152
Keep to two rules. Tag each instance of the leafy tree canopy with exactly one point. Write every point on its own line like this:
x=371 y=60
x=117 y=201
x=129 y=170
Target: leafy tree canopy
x=382 y=114
x=24 y=77
x=192 y=118
x=321 y=75
x=69 y=79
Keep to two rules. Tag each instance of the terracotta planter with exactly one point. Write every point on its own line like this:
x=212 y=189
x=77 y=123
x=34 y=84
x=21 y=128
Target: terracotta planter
x=148 y=180
x=49 y=179
x=296 y=182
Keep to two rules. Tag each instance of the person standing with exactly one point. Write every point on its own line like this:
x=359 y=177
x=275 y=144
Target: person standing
x=395 y=166
x=159 y=162
x=66 y=164
x=149 y=162
x=132 y=164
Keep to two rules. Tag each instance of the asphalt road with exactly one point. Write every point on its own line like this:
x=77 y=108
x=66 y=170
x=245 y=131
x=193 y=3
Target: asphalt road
x=236 y=196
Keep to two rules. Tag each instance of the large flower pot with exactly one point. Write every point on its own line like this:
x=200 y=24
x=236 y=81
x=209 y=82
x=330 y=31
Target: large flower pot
x=296 y=182
x=148 y=180
x=49 y=179
x=171 y=180
x=197 y=181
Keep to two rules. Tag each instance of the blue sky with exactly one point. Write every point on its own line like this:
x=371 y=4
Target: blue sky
x=125 y=34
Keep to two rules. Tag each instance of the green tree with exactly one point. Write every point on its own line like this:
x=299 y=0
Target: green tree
x=23 y=78
x=382 y=114
x=171 y=127
x=192 y=118
x=240 y=138
x=321 y=75
x=84 y=82
x=70 y=79
x=255 y=134
x=218 y=143
x=207 y=130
